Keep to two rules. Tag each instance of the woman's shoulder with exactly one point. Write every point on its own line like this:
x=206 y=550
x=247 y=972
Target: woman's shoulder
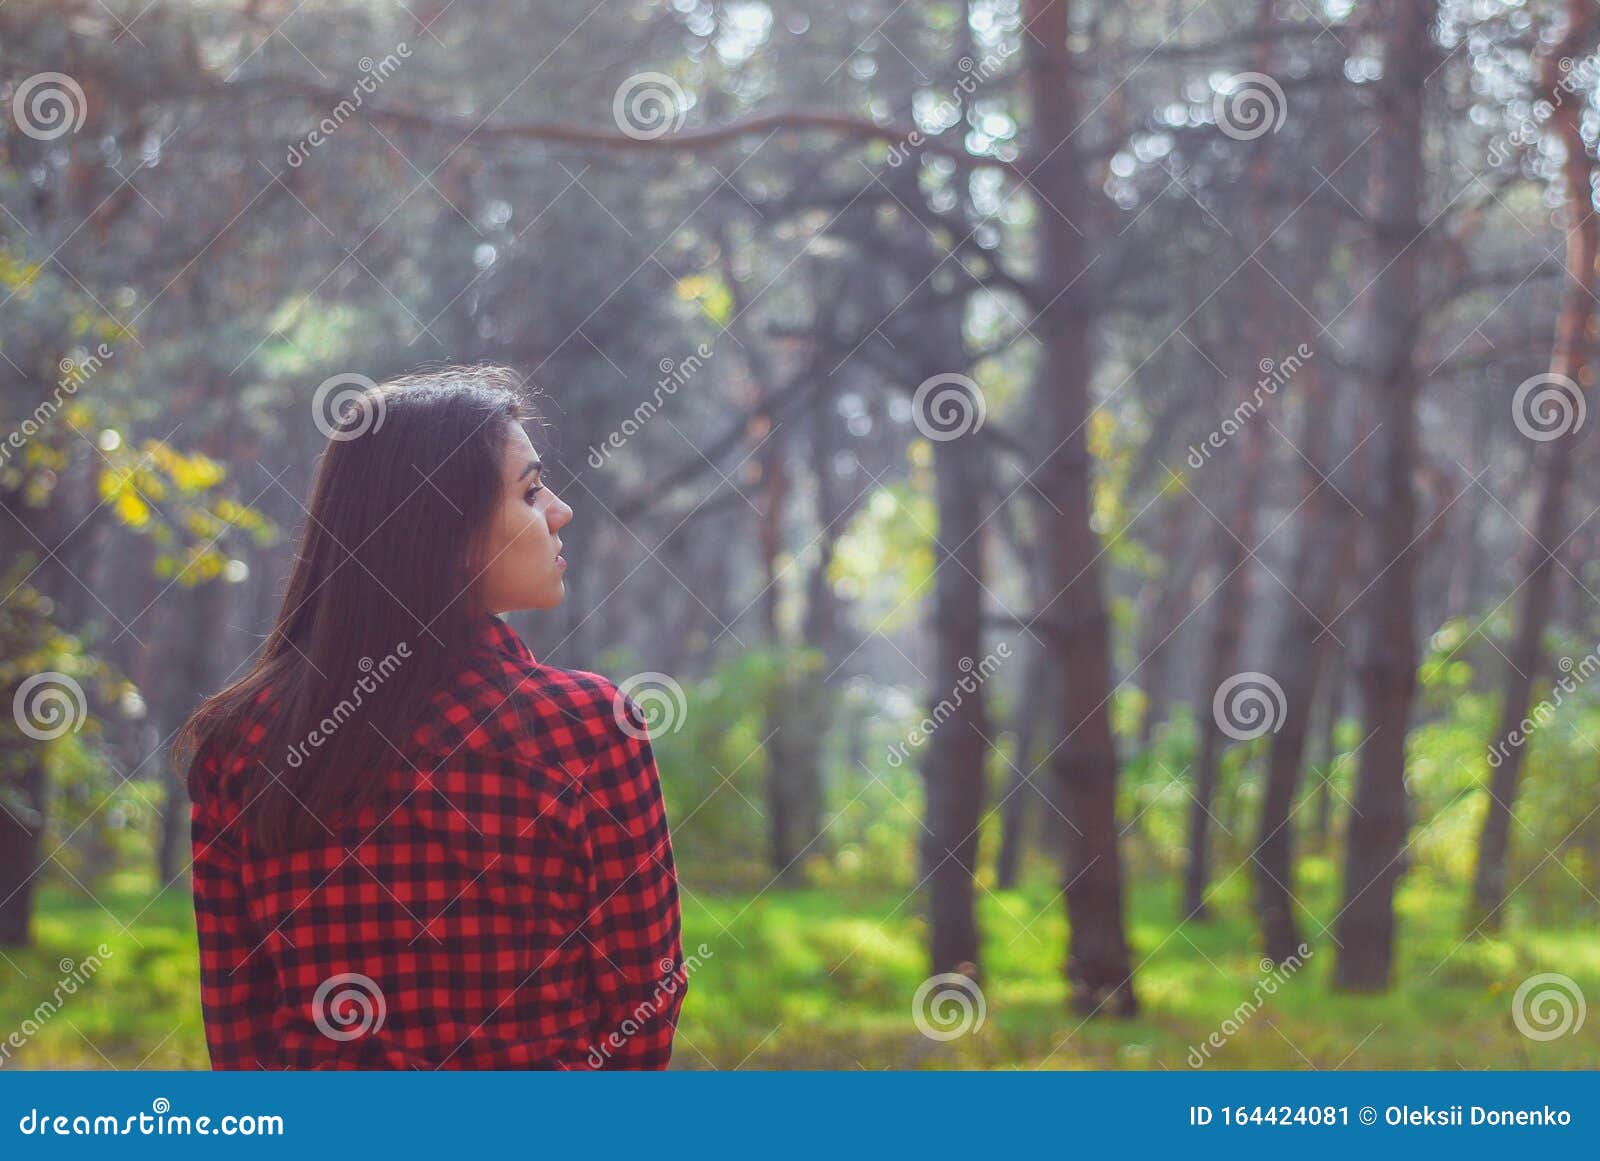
x=504 y=698
x=223 y=761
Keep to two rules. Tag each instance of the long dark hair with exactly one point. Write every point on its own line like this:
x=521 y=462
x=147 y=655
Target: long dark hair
x=380 y=603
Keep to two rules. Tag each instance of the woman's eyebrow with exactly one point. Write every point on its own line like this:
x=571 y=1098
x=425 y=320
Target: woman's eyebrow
x=533 y=466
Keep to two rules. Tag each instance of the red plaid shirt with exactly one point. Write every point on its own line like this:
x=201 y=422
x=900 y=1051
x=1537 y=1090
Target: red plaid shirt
x=512 y=904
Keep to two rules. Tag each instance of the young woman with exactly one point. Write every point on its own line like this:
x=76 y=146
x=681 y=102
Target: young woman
x=415 y=846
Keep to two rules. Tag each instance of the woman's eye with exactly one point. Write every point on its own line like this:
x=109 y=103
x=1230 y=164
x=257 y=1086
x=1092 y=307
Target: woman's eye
x=532 y=492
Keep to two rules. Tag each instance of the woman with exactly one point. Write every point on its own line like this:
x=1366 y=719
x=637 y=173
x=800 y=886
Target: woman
x=415 y=846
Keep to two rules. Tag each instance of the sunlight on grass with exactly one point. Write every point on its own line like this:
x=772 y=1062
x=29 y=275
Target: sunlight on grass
x=824 y=979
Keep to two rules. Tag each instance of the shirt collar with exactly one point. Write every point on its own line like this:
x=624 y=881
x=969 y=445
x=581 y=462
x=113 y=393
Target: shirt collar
x=496 y=635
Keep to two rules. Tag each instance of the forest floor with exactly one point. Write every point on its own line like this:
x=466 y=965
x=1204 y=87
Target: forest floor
x=817 y=978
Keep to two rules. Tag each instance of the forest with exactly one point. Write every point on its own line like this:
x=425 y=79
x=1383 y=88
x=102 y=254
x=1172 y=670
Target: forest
x=1090 y=495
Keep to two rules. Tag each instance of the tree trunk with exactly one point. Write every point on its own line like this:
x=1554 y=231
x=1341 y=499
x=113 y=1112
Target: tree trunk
x=1098 y=969
x=1387 y=660
x=21 y=825
x=1327 y=535
x=1160 y=622
x=1227 y=633
x=1024 y=796
x=1236 y=537
x=953 y=757
x=1332 y=705
x=784 y=846
x=23 y=785
x=1570 y=360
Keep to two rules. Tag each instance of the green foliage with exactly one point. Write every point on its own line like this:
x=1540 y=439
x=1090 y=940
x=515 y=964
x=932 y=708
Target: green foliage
x=824 y=978
x=885 y=556
x=713 y=769
x=715 y=764
x=95 y=821
x=1153 y=793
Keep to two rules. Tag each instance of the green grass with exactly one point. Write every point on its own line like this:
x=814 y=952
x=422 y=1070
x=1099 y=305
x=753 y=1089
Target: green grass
x=825 y=979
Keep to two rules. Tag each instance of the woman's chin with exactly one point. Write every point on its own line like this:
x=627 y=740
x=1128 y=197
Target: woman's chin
x=553 y=596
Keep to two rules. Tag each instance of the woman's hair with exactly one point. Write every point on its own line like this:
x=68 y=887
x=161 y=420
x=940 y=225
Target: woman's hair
x=380 y=602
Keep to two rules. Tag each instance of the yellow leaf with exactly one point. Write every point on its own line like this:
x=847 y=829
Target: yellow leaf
x=132 y=510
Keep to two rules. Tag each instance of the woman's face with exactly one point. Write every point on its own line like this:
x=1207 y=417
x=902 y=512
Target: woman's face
x=523 y=567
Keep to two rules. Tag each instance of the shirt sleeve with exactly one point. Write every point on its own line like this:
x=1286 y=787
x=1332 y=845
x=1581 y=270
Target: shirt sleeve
x=238 y=988
x=633 y=925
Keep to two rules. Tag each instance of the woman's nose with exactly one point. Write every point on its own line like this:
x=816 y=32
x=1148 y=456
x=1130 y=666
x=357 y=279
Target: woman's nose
x=560 y=515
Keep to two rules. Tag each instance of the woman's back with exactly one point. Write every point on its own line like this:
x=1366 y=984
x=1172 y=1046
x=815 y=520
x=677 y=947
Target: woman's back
x=508 y=901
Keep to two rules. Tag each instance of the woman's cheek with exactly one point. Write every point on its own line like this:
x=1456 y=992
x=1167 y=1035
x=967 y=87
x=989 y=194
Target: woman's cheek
x=530 y=537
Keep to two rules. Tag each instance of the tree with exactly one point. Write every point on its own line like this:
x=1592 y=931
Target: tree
x=1098 y=968
x=1387 y=665
x=1571 y=372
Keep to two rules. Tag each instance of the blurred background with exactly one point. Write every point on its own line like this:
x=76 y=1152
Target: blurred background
x=1095 y=497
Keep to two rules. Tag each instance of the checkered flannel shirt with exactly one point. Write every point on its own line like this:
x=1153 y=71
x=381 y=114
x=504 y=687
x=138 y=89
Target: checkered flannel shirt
x=512 y=903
